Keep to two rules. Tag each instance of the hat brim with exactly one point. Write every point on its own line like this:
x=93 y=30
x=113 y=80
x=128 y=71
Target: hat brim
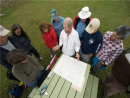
x=89 y=30
x=5 y=32
x=84 y=17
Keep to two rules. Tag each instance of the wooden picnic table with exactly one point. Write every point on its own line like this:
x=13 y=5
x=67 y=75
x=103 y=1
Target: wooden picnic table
x=59 y=87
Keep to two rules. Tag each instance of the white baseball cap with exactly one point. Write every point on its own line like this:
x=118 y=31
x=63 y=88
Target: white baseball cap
x=3 y=31
x=93 y=25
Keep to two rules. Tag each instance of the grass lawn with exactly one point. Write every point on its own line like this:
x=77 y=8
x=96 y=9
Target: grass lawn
x=29 y=14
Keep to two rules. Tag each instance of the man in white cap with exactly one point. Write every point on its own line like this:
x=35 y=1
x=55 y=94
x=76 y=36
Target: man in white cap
x=91 y=40
x=69 y=39
x=82 y=20
x=57 y=22
x=7 y=43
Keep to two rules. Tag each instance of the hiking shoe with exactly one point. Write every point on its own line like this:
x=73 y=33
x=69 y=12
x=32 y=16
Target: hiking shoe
x=40 y=58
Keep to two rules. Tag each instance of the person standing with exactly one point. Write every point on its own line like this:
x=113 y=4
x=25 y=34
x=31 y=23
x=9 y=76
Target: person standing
x=91 y=40
x=20 y=34
x=82 y=20
x=49 y=36
x=57 y=22
x=111 y=47
x=69 y=39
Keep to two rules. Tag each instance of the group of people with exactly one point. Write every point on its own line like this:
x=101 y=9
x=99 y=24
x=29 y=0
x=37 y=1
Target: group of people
x=80 y=36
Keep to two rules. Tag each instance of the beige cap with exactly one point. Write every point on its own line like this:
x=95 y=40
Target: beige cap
x=93 y=25
x=3 y=31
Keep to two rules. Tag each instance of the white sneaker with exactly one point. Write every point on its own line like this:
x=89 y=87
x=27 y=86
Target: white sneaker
x=40 y=58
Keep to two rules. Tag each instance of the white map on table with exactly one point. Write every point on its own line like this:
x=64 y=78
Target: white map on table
x=71 y=69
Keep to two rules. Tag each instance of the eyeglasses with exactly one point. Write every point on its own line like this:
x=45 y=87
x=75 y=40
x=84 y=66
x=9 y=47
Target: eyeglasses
x=115 y=37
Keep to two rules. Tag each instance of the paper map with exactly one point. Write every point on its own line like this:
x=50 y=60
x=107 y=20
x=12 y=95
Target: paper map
x=71 y=69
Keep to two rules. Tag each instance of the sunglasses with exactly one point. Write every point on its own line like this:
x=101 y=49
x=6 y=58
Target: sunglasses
x=19 y=32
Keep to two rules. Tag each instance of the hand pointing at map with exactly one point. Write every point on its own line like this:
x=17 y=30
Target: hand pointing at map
x=77 y=56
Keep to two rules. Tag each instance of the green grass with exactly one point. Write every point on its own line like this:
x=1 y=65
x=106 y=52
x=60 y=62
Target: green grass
x=30 y=13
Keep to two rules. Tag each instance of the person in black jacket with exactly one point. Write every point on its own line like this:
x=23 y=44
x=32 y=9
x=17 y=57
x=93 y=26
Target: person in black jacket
x=7 y=43
x=91 y=40
x=19 y=33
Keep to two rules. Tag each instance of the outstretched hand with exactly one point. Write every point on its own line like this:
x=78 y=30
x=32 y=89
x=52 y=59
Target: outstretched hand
x=56 y=47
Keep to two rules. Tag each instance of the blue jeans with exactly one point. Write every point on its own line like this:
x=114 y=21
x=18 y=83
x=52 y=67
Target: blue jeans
x=35 y=82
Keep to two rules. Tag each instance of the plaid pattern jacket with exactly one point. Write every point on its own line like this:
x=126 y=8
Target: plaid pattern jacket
x=109 y=50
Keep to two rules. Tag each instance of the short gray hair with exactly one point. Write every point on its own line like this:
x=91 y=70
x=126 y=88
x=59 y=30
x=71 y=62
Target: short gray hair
x=123 y=31
x=57 y=13
x=68 y=21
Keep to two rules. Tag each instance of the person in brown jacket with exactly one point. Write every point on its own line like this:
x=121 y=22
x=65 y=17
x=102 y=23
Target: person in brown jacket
x=118 y=80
